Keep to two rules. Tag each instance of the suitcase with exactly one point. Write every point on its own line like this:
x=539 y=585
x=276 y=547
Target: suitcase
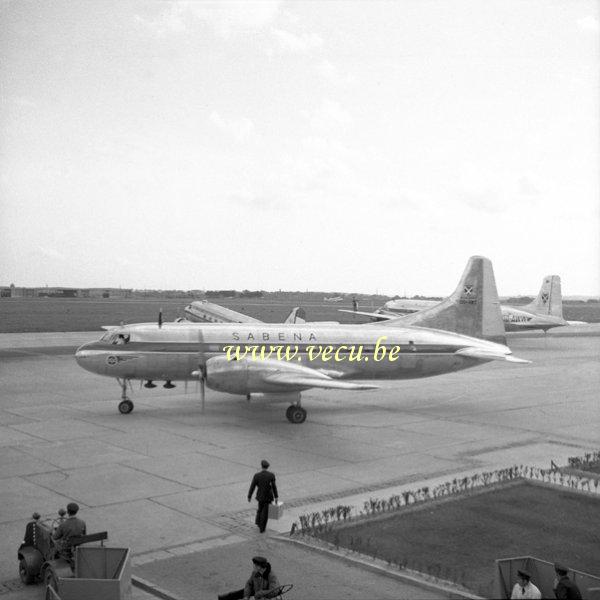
x=276 y=510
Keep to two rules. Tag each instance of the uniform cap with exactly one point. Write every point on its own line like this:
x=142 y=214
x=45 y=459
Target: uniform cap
x=72 y=508
x=560 y=568
x=261 y=561
x=524 y=574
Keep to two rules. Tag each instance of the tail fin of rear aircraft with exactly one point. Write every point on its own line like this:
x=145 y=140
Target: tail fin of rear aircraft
x=549 y=298
x=298 y=315
x=473 y=309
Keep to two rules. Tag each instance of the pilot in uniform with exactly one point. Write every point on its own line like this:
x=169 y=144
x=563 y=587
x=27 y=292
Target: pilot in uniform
x=266 y=492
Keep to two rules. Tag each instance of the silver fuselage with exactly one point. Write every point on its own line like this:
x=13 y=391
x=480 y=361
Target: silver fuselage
x=513 y=317
x=175 y=350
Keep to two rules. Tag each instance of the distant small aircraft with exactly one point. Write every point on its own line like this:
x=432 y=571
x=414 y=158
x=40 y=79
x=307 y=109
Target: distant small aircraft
x=461 y=332
x=545 y=312
x=334 y=299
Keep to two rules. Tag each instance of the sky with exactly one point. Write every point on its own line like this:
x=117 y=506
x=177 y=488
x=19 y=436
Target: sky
x=336 y=146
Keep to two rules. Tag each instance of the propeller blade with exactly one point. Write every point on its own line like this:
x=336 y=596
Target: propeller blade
x=202 y=394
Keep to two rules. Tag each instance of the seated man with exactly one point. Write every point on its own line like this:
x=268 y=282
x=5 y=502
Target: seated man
x=261 y=584
x=71 y=527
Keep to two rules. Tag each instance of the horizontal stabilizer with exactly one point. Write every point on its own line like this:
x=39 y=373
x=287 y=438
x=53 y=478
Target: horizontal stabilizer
x=375 y=315
x=483 y=354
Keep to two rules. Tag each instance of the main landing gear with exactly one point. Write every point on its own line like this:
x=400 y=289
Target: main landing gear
x=295 y=414
x=126 y=405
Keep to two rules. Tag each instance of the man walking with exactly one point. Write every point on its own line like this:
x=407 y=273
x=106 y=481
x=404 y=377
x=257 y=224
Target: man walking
x=266 y=492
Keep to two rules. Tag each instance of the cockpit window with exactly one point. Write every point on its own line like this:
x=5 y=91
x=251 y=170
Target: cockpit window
x=115 y=338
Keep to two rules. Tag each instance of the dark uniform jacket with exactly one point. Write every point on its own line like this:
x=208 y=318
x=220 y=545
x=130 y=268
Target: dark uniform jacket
x=266 y=490
x=69 y=528
x=567 y=589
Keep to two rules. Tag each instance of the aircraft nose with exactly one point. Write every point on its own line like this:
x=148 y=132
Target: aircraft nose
x=83 y=355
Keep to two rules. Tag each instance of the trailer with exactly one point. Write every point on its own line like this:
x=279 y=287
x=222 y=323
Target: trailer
x=100 y=573
x=76 y=572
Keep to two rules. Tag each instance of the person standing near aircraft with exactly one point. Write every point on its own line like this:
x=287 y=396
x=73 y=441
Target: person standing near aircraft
x=266 y=492
x=564 y=588
x=524 y=588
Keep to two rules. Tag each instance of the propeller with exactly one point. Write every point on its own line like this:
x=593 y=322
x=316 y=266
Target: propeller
x=201 y=372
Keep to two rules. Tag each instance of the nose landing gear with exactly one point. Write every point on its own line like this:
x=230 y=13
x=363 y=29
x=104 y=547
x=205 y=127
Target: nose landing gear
x=126 y=405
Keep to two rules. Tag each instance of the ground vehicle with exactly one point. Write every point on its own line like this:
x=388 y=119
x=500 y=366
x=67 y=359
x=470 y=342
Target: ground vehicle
x=41 y=558
x=73 y=572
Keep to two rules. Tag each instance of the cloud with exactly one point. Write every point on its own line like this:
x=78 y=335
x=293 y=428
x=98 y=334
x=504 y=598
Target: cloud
x=51 y=253
x=240 y=129
x=329 y=72
x=168 y=22
x=528 y=187
x=226 y=19
x=589 y=23
x=475 y=189
x=258 y=201
x=485 y=200
x=329 y=115
x=303 y=43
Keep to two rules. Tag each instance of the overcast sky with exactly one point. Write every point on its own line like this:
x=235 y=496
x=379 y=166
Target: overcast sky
x=336 y=146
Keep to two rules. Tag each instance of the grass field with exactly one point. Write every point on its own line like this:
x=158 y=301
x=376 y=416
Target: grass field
x=465 y=535
x=87 y=314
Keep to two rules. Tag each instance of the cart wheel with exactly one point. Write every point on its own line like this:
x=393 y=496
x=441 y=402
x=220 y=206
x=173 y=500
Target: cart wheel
x=26 y=576
x=50 y=579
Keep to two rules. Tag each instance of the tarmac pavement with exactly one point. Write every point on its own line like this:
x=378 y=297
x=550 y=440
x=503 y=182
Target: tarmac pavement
x=171 y=483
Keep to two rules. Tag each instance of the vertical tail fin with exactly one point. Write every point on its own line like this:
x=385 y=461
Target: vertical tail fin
x=549 y=298
x=298 y=315
x=473 y=309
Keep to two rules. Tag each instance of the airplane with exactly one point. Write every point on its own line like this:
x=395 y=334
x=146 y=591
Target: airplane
x=203 y=311
x=545 y=312
x=334 y=299
x=463 y=331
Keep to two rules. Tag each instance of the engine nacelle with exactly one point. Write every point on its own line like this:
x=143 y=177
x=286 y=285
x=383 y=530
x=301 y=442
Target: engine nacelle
x=247 y=376
x=227 y=375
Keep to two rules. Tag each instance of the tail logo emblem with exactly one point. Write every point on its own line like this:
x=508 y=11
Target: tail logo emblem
x=468 y=295
x=545 y=297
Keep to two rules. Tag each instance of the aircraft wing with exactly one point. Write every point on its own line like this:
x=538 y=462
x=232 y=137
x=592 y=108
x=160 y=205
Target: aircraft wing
x=295 y=380
x=380 y=316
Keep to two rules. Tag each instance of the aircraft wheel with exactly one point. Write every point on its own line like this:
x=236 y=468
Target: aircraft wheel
x=295 y=414
x=50 y=579
x=125 y=407
x=25 y=575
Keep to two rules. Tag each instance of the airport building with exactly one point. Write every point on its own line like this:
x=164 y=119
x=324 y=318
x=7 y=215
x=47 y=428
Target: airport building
x=12 y=291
